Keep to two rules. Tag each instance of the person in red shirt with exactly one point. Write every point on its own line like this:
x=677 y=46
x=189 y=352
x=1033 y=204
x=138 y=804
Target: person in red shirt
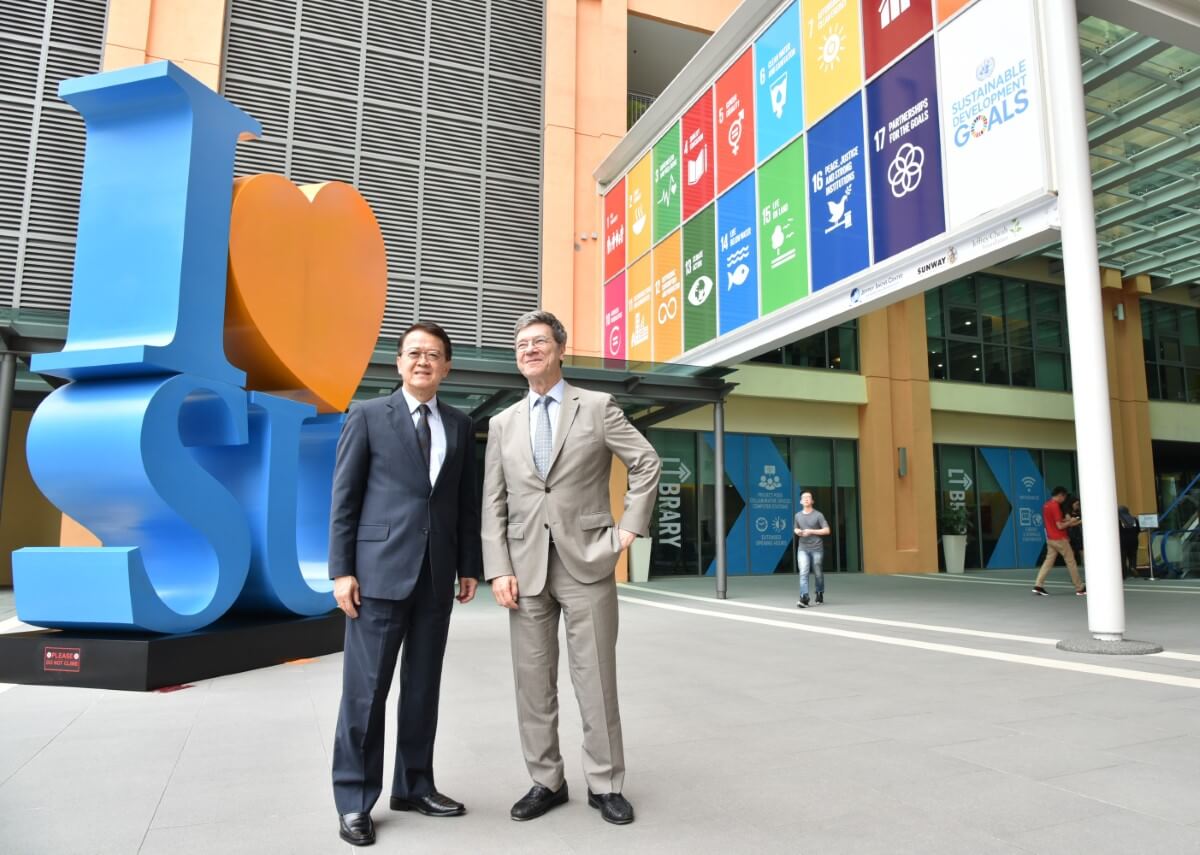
x=1057 y=542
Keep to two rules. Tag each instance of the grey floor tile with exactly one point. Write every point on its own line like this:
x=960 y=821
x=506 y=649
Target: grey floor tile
x=1120 y=833
x=1036 y=757
x=933 y=729
x=1000 y=804
x=884 y=831
x=739 y=738
x=1140 y=787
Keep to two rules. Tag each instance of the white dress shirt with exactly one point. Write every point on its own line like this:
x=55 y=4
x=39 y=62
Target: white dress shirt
x=553 y=405
x=437 y=432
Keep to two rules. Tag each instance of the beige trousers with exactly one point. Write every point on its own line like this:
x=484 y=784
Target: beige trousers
x=590 y=614
x=1055 y=548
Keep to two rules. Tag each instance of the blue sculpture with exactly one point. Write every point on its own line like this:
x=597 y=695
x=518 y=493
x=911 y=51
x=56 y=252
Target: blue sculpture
x=207 y=496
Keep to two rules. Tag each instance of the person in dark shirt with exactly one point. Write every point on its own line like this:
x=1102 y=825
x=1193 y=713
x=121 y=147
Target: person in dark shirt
x=1075 y=532
x=1130 y=531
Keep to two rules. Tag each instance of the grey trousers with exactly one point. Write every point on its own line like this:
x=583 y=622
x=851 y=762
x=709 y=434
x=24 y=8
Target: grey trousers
x=590 y=614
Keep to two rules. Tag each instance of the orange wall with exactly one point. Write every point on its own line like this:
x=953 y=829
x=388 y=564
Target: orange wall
x=586 y=89
x=188 y=32
x=899 y=524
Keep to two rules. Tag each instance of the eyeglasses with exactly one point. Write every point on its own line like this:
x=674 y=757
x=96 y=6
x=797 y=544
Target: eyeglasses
x=431 y=356
x=533 y=344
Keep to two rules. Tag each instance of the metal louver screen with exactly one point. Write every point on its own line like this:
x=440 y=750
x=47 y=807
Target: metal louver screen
x=41 y=145
x=433 y=110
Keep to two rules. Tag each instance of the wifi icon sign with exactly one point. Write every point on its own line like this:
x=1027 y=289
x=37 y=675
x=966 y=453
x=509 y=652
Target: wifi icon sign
x=1029 y=482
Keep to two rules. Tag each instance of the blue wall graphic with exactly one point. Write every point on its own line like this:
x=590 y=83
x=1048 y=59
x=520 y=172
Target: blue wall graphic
x=1022 y=538
x=762 y=532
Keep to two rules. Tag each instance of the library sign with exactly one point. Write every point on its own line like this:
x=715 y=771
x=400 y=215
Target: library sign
x=848 y=155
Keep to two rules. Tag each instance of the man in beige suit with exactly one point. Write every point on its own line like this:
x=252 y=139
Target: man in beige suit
x=550 y=545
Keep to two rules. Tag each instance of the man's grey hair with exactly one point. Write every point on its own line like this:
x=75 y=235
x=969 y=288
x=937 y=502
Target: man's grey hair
x=541 y=317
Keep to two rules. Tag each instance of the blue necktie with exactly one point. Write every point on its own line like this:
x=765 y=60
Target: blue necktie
x=543 y=437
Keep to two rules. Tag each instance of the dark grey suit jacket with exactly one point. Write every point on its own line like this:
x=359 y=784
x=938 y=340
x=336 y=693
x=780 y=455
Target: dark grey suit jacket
x=384 y=512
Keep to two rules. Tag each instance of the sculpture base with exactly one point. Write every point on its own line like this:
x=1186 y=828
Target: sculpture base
x=141 y=662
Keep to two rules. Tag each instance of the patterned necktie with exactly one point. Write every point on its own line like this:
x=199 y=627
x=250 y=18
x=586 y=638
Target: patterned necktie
x=543 y=438
x=424 y=437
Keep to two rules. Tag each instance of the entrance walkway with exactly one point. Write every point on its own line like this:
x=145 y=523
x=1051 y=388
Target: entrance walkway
x=909 y=714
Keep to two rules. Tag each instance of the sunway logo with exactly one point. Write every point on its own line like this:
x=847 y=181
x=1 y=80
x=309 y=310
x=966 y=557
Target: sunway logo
x=932 y=265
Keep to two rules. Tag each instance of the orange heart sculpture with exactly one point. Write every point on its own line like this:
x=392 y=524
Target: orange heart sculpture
x=306 y=289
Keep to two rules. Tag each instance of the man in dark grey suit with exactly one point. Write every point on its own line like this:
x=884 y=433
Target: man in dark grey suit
x=404 y=523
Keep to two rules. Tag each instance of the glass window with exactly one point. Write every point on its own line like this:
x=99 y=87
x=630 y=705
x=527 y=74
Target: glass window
x=1171 y=379
x=1189 y=334
x=956 y=486
x=1171 y=342
x=1021 y=367
x=992 y=320
x=1016 y=311
x=961 y=293
x=1193 y=384
x=808 y=353
x=937 y=360
x=965 y=362
x=1058 y=469
x=933 y=313
x=999 y=331
x=964 y=322
x=995 y=365
x=843 y=347
x=847 y=528
x=674 y=545
x=1051 y=371
x=834 y=348
x=1049 y=332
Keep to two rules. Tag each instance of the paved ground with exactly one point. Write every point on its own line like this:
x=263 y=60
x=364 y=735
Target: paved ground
x=911 y=714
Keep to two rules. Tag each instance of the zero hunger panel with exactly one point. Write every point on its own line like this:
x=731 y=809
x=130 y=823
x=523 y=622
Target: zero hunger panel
x=614 y=230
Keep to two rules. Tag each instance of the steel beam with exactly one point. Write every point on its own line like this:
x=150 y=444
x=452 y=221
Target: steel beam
x=1120 y=58
x=1169 y=259
x=1145 y=109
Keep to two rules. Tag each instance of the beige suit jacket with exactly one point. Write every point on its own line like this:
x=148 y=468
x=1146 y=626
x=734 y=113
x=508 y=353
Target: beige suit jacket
x=521 y=510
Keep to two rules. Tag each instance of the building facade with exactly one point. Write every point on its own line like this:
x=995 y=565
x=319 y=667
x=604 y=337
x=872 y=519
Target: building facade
x=474 y=130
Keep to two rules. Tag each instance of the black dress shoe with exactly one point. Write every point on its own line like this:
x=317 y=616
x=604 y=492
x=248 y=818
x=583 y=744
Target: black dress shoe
x=357 y=829
x=614 y=807
x=537 y=801
x=430 y=804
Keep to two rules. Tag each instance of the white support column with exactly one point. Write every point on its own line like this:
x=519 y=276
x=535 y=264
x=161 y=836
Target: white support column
x=1085 y=322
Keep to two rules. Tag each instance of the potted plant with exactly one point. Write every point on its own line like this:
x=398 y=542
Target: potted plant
x=955 y=523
